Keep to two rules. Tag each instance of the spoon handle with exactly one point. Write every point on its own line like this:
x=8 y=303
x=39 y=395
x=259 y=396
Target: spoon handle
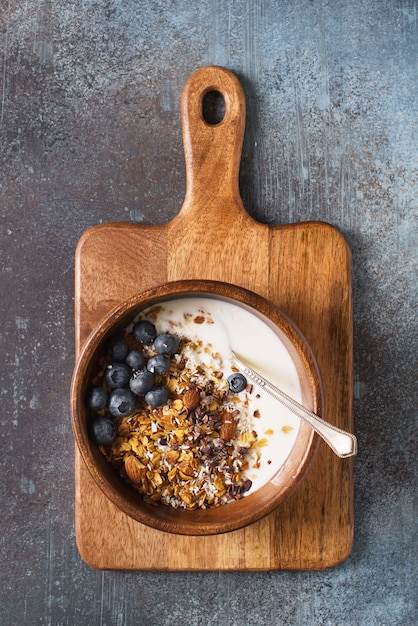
x=342 y=443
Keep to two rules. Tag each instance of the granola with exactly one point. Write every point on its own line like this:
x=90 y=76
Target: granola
x=192 y=452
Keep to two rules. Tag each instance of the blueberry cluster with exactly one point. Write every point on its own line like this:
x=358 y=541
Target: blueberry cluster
x=128 y=375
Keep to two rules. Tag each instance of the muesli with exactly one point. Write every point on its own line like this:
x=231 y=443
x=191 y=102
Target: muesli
x=194 y=449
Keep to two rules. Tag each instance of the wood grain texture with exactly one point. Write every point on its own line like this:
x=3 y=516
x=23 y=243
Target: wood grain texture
x=305 y=269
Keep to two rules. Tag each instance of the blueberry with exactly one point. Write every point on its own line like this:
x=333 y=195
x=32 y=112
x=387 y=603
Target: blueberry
x=158 y=364
x=117 y=375
x=166 y=344
x=144 y=332
x=102 y=431
x=121 y=402
x=117 y=349
x=157 y=396
x=141 y=382
x=136 y=360
x=237 y=382
x=97 y=398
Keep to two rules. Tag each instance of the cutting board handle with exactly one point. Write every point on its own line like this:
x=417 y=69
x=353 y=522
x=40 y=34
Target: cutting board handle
x=212 y=151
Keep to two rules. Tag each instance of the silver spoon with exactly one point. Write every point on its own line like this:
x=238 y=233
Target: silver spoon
x=342 y=443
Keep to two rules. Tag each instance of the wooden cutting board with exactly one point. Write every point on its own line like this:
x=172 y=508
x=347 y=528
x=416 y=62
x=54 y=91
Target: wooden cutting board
x=304 y=268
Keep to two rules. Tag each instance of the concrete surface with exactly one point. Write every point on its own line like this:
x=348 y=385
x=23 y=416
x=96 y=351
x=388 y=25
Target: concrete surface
x=90 y=132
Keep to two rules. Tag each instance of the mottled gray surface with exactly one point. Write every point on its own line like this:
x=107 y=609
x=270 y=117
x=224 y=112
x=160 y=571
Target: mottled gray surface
x=90 y=132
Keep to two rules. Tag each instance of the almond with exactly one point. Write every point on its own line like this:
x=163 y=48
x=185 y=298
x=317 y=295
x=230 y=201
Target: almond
x=228 y=427
x=191 y=398
x=135 y=470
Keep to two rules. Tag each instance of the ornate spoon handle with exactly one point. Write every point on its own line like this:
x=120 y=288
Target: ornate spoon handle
x=342 y=443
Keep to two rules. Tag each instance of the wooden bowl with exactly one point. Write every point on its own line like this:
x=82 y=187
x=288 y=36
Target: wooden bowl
x=231 y=516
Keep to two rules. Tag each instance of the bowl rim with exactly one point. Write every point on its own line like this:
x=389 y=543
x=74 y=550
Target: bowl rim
x=198 y=522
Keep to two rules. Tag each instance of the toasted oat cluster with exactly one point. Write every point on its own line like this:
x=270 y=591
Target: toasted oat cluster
x=193 y=451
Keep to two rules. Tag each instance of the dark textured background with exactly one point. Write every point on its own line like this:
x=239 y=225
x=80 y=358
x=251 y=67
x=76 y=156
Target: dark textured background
x=90 y=132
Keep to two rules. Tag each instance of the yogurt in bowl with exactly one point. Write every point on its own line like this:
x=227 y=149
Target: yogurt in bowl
x=208 y=444
x=208 y=329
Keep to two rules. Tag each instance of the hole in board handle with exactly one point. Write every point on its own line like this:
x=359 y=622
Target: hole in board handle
x=213 y=107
